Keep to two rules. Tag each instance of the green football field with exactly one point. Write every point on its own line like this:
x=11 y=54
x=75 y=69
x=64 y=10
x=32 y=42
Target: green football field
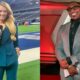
x=28 y=71
x=29 y=28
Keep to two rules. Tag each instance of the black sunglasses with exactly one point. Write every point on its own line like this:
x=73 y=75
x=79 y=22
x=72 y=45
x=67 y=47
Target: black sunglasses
x=74 y=7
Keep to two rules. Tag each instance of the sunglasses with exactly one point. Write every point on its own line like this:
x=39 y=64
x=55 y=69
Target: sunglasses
x=74 y=7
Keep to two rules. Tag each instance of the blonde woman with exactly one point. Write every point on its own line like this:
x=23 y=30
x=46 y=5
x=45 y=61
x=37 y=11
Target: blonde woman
x=9 y=49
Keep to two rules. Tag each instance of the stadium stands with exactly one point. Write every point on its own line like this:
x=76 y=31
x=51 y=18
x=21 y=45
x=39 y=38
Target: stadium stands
x=25 y=10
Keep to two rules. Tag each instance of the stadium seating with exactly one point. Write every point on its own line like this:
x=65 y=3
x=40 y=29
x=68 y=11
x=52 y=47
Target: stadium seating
x=25 y=10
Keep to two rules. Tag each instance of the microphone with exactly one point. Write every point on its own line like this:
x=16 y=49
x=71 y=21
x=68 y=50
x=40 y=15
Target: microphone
x=1 y=27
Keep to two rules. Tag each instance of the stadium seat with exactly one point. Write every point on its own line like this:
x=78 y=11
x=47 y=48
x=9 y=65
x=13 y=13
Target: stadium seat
x=25 y=10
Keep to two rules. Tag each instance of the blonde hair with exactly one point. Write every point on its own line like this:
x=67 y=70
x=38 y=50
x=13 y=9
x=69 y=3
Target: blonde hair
x=9 y=22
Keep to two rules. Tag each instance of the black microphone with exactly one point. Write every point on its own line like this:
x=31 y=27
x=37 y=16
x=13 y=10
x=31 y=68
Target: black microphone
x=1 y=27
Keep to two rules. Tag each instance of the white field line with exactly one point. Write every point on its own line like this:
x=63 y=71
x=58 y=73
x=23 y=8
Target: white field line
x=32 y=37
x=29 y=55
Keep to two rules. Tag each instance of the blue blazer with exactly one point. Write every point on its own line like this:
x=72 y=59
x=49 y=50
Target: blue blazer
x=8 y=54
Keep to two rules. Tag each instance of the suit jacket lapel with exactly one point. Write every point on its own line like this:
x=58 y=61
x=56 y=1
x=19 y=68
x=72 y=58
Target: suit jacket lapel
x=65 y=36
x=75 y=38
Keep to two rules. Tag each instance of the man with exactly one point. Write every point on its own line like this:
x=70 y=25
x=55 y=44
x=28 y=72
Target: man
x=68 y=45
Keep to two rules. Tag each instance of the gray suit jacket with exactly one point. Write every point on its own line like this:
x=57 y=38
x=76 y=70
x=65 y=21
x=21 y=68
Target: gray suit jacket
x=62 y=46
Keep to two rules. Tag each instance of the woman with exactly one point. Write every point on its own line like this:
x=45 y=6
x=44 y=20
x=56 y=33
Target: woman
x=9 y=49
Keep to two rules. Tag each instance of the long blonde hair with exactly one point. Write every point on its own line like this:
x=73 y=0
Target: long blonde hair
x=9 y=22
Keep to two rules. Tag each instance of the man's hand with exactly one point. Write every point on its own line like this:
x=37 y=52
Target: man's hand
x=72 y=70
x=64 y=64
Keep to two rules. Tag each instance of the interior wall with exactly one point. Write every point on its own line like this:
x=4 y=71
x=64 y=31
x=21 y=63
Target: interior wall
x=48 y=22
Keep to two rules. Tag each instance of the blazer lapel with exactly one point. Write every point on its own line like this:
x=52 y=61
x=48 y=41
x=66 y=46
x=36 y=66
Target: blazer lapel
x=75 y=38
x=5 y=35
x=65 y=37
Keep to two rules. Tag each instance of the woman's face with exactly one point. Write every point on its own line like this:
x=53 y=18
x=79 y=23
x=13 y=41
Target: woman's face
x=3 y=13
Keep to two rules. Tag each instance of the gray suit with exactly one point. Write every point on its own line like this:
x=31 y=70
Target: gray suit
x=63 y=48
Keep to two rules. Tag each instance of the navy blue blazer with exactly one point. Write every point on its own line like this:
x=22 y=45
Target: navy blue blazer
x=8 y=54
